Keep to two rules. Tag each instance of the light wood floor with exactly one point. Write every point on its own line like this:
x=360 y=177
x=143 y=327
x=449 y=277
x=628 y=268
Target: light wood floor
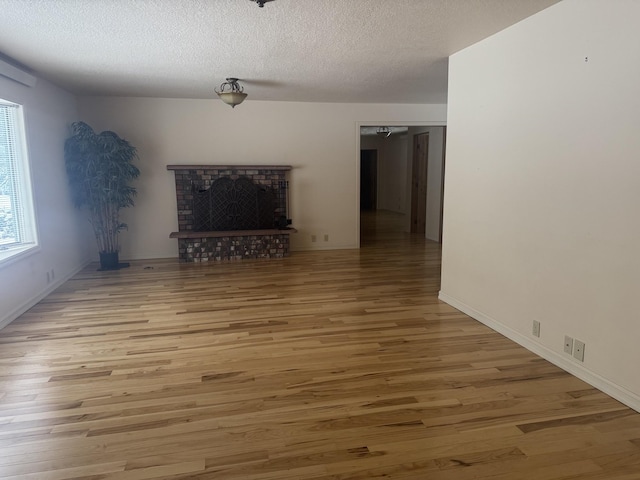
x=325 y=365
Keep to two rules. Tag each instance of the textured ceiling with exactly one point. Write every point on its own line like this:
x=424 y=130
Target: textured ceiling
x=386 y=51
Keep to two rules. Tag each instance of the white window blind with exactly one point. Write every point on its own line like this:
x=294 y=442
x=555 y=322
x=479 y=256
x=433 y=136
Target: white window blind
x=17 y=229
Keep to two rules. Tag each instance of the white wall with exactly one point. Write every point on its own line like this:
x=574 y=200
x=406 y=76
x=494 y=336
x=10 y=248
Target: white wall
x=65 y=239
x=321 y=142
x=542 y=193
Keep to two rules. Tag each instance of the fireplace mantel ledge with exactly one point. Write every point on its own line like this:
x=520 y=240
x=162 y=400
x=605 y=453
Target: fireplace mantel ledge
x=231 y=233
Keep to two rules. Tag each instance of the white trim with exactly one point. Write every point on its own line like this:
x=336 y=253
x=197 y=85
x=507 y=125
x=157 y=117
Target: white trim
x=9 y=317
x=13 y=254
x=17 y=74
x=24 y=204
x=430 y=123
x=618 y=392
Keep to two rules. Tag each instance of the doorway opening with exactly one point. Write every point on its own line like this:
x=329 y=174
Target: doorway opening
x=405 y=170
x=368 y=180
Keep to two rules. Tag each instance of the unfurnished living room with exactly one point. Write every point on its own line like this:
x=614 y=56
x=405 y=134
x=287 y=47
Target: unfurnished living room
x=319 y=239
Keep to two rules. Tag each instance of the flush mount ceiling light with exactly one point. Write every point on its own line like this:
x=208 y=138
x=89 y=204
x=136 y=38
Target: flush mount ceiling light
x=383 y=131
x=231 y=92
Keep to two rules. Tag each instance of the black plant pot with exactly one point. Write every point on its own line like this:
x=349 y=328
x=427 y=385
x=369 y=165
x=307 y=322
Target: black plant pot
x=109 y=261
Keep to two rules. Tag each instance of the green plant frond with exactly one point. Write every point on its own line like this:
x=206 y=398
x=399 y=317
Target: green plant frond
x=82 y=130
x=99 y=169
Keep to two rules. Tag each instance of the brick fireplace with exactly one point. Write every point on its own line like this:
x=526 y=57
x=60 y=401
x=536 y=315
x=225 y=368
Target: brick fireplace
x=231 y=212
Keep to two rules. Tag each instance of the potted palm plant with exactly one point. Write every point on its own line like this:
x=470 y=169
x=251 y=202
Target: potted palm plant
x=100 y=169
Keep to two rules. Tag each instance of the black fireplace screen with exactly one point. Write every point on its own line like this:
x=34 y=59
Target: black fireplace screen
x=237 y=204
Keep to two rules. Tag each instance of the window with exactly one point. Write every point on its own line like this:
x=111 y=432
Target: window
x=17 y=227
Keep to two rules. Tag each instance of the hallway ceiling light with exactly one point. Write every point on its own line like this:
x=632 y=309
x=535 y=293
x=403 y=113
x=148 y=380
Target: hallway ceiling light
x=261 y=2
x=231 y=92
x=383 y=131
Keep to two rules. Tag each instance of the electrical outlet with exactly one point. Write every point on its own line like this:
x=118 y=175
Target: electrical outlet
x=313 y=238
x=568 y=344
x=326 y=237
x=535 y=330
x=578 y=350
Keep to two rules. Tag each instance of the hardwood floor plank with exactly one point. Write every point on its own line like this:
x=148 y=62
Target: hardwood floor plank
x=324 y=365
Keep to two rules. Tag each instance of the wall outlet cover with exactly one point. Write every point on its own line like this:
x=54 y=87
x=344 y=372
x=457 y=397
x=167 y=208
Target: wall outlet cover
x=578 y=350
x=568 y=344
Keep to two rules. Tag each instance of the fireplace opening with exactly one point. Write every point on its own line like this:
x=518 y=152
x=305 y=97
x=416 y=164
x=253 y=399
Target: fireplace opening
x=234 y=204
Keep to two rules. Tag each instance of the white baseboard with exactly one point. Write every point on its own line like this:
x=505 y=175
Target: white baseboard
x=19 y=310
x=618 y=392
